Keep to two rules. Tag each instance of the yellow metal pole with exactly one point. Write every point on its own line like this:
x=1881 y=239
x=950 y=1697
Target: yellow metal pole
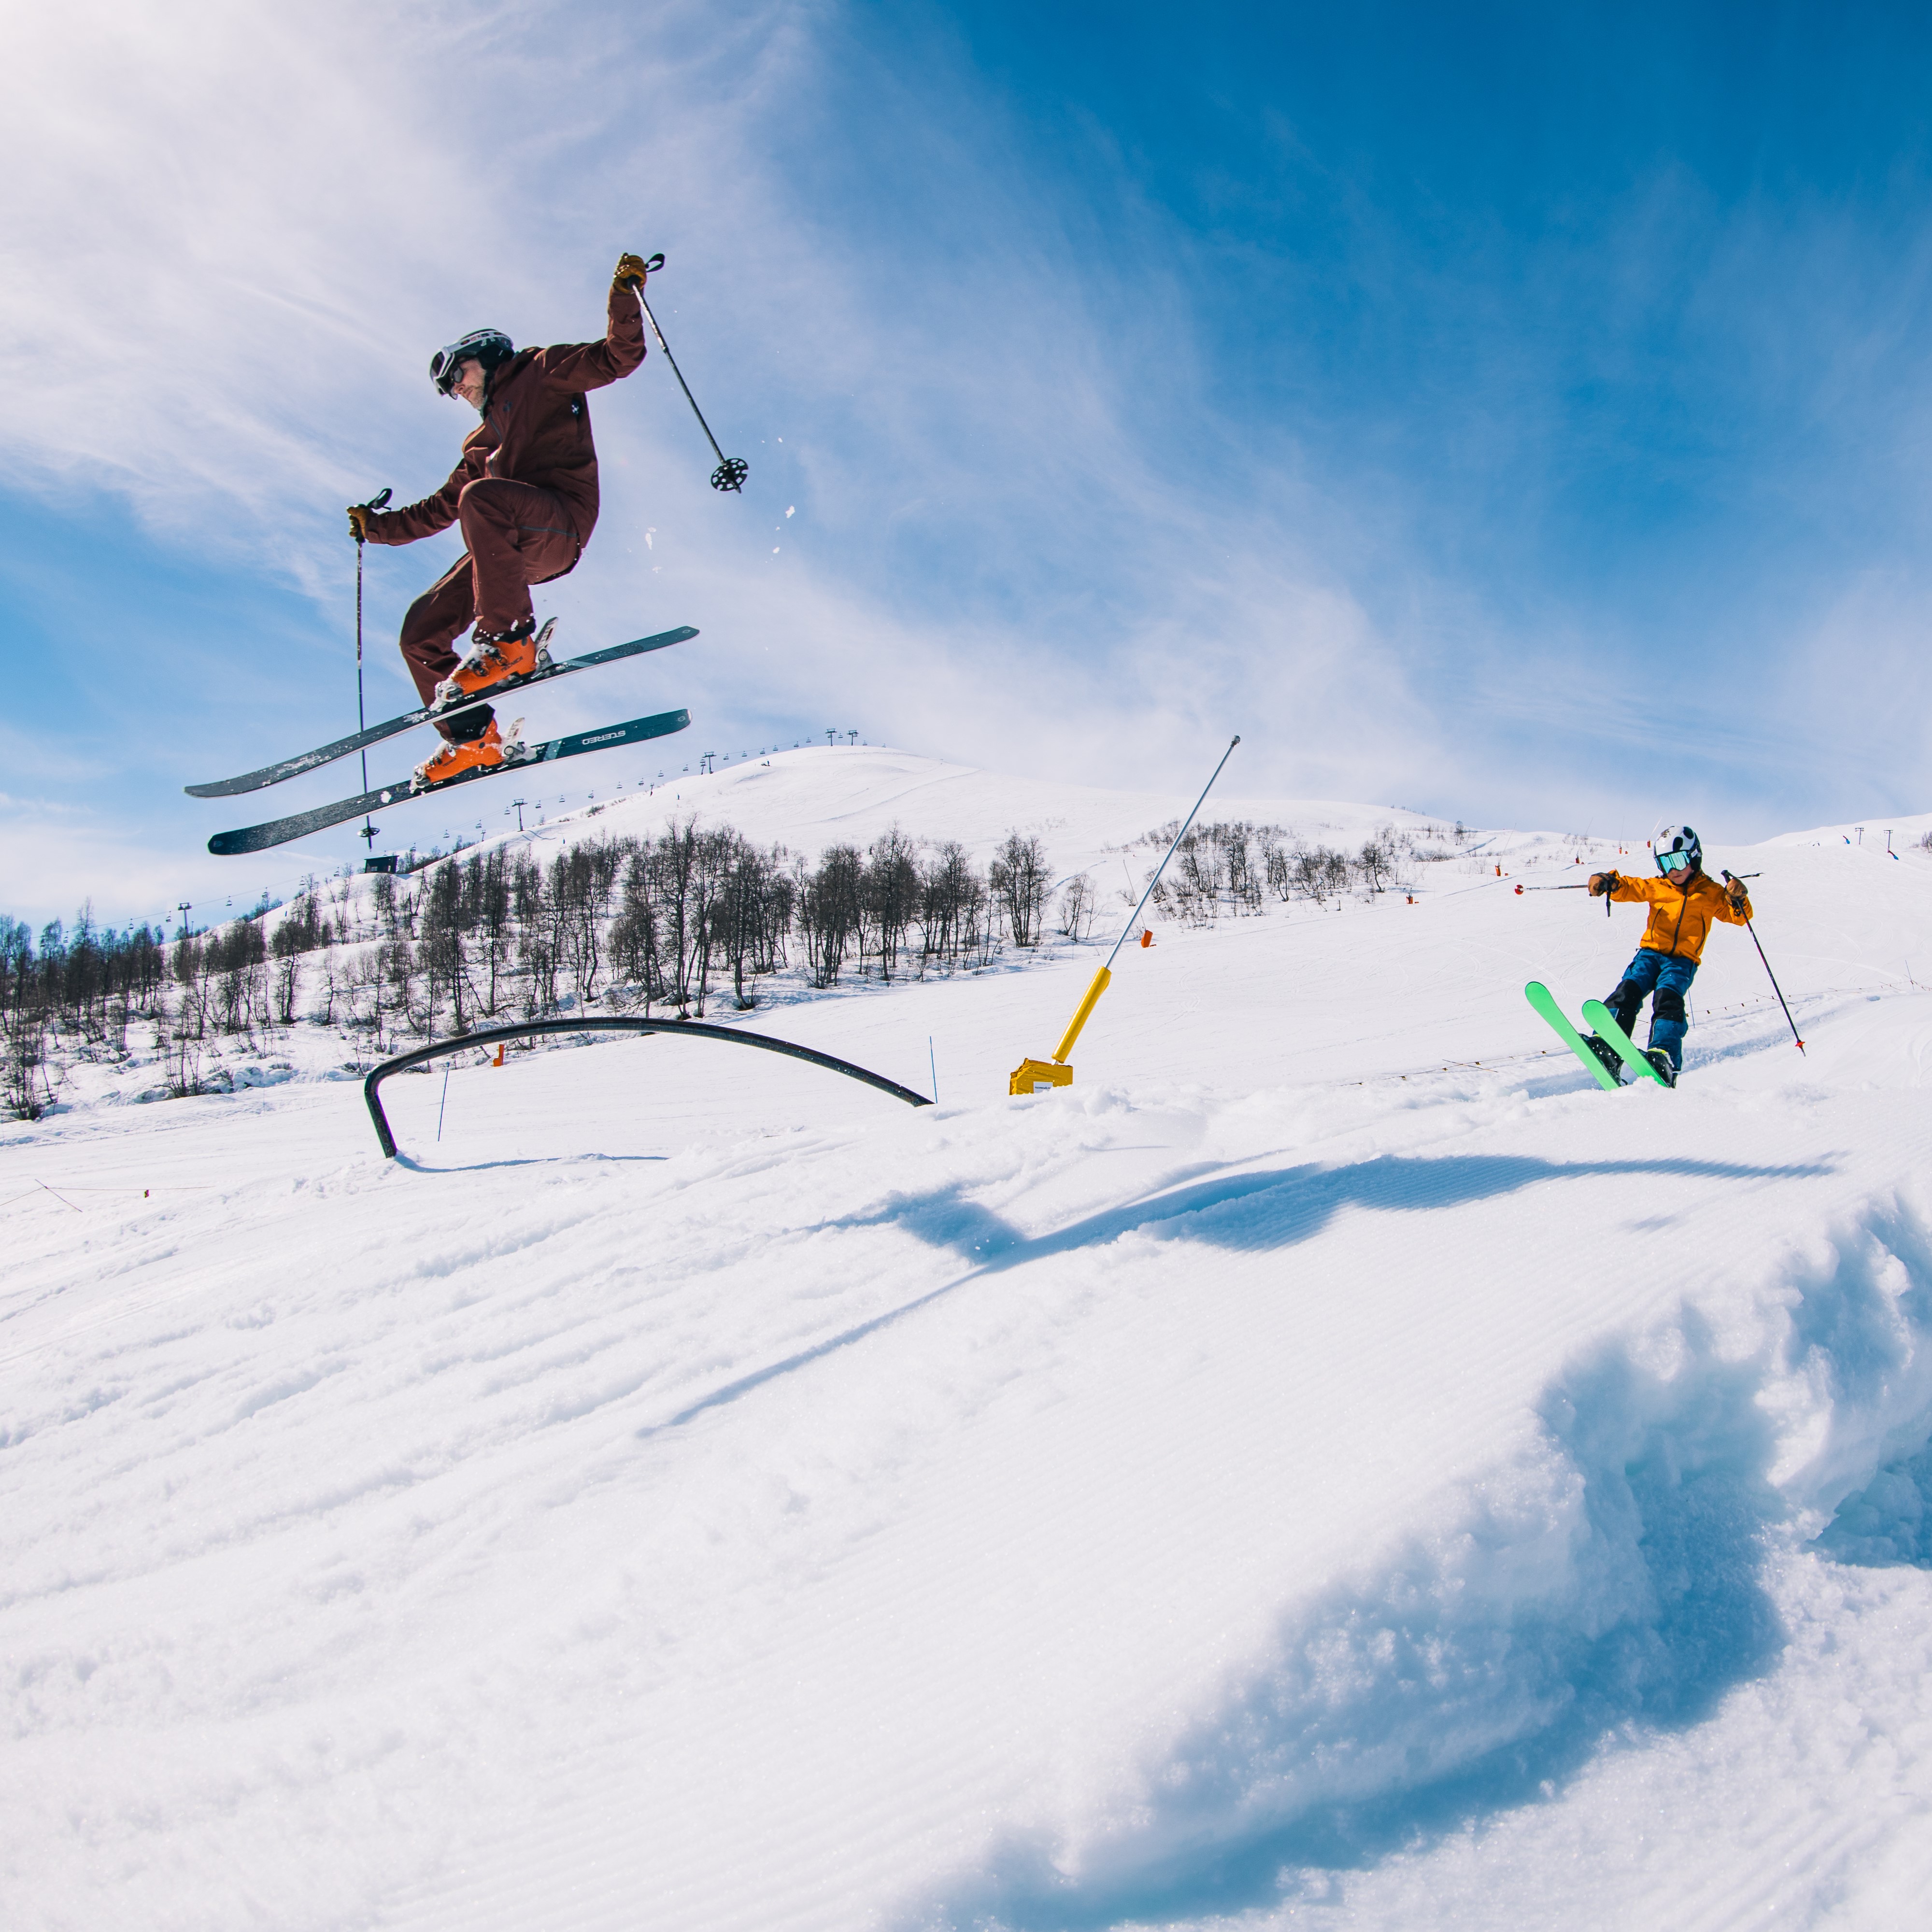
x=1030 y=1075
x=1101 y=981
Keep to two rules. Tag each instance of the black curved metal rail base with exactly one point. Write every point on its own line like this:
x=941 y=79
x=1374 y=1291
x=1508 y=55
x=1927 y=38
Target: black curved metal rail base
x=684 y=1029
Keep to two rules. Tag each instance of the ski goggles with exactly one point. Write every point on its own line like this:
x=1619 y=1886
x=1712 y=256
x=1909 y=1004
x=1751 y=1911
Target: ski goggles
x=444 y=364
x=1672 y=861
x=489 y=347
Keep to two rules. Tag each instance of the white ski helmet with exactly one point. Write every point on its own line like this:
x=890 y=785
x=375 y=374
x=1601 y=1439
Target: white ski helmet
x=489 y=347
x=1671 y=838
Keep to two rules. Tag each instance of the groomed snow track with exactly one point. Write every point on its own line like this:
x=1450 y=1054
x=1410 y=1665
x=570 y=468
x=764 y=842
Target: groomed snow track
x=1287 y=1480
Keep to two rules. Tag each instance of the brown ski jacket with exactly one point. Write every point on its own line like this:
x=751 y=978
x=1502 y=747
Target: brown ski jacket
x=535 y=428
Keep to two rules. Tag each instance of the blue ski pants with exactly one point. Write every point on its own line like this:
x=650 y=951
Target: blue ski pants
x=1667 y=978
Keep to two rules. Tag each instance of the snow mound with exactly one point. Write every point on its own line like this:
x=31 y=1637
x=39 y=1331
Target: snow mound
x=1332 y=1465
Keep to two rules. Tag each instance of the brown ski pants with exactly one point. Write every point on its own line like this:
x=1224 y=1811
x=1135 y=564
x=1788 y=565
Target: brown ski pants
x=516 y=535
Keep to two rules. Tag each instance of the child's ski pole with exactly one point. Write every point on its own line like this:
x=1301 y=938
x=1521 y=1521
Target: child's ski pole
x=1521 y=889
x=1768 y=974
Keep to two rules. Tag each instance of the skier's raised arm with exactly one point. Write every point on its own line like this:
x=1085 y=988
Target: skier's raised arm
x=591 y=365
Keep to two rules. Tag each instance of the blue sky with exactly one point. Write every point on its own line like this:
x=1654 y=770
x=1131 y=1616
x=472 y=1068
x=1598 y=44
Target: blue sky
x=1515 y=417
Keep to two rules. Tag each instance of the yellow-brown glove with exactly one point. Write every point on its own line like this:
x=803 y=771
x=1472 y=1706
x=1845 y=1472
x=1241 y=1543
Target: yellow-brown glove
x=359 y=522
x=630 y=270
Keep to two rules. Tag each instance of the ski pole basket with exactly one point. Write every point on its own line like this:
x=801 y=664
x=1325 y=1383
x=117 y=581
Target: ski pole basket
x=731 y=470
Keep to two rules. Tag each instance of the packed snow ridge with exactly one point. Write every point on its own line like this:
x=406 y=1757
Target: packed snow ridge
x=1332 y=1465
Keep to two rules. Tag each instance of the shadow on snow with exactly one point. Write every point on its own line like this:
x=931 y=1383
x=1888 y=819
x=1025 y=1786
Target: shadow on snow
x=1603 y=1586
x=1275 y=1208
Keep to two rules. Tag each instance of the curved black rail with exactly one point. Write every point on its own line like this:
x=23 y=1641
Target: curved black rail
x=690 y=1029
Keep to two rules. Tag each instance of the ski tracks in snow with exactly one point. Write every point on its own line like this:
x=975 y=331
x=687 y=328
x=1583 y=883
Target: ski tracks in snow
x=1092 y=1509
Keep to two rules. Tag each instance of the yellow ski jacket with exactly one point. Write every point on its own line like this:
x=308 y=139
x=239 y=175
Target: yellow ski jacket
x=1681 y=915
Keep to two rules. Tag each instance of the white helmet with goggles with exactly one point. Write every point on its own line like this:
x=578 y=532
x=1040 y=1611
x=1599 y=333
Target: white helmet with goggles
x=1678 y=849
x=489 y=347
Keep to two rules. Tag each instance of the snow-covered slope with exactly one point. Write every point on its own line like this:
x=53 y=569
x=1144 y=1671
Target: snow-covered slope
x=821 y=796
x=810 y=798
x=1331 y=1466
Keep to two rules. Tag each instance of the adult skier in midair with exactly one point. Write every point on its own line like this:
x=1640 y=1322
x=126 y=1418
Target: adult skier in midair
x=1683 y=902
x=525 y=493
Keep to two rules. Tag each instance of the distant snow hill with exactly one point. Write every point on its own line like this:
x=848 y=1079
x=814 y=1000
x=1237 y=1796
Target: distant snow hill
x=851 y=794
x=1332 y=1465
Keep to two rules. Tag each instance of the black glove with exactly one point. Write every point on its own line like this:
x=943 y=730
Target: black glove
x=1602 y=884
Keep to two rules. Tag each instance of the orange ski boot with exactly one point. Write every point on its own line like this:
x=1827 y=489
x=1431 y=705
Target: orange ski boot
x=489 y=751
x=497 y=658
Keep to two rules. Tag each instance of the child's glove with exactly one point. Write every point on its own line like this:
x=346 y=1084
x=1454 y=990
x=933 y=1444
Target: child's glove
x=1735 y=889
x=1602 y=884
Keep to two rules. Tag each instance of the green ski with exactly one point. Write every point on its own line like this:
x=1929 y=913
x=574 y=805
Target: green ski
x=1605 y=1022
x=1540 y=997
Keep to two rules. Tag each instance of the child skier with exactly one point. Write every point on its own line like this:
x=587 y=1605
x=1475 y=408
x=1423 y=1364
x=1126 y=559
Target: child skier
x=1683 y=902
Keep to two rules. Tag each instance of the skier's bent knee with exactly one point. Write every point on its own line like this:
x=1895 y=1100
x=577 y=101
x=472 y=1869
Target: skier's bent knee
x=1623 y=1001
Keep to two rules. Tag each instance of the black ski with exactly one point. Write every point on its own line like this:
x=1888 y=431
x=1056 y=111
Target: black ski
x=299 y=825
x=326 y=754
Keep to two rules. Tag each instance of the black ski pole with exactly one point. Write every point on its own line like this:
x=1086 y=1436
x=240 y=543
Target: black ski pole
x=1522 y=889
x=1768 y=974
x=375 y=503
x=731 y=470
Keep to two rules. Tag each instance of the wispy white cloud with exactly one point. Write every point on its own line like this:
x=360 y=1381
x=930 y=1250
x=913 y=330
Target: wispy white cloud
x=250 y=227
x=1043 y=520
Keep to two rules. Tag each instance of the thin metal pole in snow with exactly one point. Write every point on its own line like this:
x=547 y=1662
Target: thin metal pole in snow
x=933 y=1063
x=1135 y=920
x=1025 y=1074
x=441 y=1104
